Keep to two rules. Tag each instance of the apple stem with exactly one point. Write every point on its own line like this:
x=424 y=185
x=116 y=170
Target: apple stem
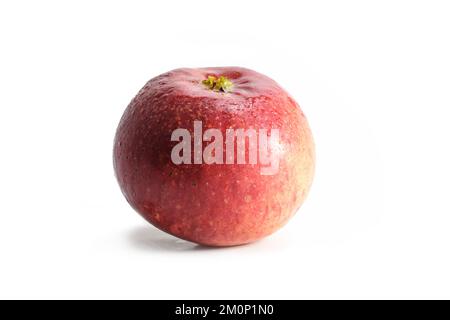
x=218 y=84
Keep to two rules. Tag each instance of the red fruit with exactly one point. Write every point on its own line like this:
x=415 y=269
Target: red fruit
x=217 y=204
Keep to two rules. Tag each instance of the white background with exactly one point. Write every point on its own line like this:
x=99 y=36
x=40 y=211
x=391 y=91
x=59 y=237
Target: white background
x=373 y=78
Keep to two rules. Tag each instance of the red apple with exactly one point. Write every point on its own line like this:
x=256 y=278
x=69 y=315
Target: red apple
x=194 y=187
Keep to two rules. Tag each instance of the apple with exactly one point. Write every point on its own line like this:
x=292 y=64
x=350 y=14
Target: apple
x=217 y=156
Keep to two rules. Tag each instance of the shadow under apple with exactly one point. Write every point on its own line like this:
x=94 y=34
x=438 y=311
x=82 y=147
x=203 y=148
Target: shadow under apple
x=151 y=238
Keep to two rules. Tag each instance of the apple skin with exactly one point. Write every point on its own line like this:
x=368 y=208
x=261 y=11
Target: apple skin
x=212 y=204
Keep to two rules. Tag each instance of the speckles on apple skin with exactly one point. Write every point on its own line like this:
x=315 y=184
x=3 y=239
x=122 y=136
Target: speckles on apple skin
x=216 y=205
